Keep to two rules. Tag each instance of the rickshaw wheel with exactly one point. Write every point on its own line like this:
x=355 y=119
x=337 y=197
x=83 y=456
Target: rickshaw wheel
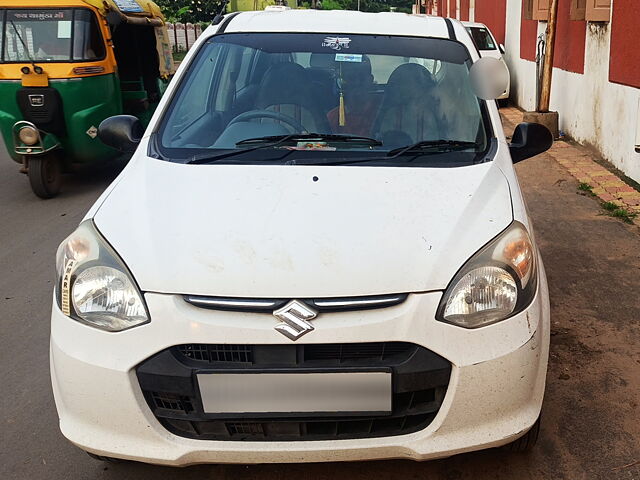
x=45 y=176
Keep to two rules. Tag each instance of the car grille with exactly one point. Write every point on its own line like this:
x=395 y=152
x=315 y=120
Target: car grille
x=216 y=353
x=168 y=381
x=338 y=352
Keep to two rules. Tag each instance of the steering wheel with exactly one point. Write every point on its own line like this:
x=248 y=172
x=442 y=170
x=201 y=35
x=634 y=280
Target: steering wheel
x=253 y=114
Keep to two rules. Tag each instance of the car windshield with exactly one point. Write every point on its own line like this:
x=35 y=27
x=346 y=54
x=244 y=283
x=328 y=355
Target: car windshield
x=50 y=35
x=346 y=94
x=482 y=38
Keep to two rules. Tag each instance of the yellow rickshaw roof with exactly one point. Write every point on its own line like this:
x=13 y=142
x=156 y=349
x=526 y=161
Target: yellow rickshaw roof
x=149 y=8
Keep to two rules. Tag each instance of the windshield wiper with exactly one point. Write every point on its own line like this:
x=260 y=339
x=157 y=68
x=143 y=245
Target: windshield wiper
x=419 y=148
x=269 y=142
x=277 y=140
x=330 y=137
x=24 y=45
x=439 y=145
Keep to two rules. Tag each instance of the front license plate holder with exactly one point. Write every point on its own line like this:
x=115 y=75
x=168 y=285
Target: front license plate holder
x=299 y=394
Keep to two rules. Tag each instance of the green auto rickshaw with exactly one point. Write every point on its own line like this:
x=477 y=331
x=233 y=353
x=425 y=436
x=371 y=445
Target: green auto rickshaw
x=66 y=65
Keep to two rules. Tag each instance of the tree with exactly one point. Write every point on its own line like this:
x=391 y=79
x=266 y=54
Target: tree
x=190 y=11
x=368 y=5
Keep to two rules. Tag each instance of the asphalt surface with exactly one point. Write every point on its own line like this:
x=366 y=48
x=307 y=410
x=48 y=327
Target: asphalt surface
x=590 y=426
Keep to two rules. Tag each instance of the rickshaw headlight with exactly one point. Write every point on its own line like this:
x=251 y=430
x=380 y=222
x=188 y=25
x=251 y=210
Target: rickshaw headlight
x=94 y=286
x=29 y=135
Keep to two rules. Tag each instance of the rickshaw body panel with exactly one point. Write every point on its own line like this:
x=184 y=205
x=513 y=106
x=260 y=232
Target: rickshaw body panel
x=80 y=110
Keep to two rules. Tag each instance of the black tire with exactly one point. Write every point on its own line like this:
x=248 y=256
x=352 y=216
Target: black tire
x=45 y=175
x=526 y=442
x=105 y=459
x=502 y=103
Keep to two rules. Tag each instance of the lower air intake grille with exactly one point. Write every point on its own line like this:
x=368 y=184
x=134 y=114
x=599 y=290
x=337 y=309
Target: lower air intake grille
x=217 y=353
x=169 y=382
x=333 y=353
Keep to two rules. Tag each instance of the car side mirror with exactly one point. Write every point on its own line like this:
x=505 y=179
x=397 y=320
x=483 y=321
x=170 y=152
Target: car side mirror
x=529 y=140
x=501 y=47
x=122 y=132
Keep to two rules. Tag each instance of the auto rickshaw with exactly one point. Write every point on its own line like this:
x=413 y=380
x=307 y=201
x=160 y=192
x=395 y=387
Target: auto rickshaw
x=66 y=65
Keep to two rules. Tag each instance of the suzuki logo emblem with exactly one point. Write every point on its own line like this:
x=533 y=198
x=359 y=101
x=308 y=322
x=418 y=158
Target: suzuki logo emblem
x=294 y=316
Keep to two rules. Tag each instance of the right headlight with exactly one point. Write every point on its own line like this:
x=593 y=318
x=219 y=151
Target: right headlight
x=496 y=283
x=93 y=284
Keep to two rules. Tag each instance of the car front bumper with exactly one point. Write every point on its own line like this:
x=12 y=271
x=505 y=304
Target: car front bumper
x=494 y=394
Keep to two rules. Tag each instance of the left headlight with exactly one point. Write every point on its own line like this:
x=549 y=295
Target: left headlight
x=93 y=284
x=496 y=283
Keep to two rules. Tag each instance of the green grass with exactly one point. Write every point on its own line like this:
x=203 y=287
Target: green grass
x=179 y=56
x=617 y=211
x=585 y=187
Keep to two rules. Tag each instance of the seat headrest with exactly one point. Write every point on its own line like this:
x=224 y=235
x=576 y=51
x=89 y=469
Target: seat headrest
x=409 y=82
x=284 y=83
x=322 y=60
x=409 y=74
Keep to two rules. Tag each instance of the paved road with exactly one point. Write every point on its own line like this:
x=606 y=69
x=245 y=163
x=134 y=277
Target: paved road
x=590 y=425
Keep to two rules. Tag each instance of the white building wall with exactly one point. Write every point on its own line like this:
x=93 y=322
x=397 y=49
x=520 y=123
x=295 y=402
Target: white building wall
x=591 y=109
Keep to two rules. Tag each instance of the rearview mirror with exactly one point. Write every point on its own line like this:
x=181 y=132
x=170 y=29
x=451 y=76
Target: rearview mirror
x=529 y=139
x=122 y=132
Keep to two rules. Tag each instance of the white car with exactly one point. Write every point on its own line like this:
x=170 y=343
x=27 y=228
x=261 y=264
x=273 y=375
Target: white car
x=487 y=45
x=319 y=251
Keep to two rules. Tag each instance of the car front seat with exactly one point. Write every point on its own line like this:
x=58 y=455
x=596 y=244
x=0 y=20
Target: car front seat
x=285 y=89
x=408 y=111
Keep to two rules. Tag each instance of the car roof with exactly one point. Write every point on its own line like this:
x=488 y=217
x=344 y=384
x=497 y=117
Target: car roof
x=339 y=21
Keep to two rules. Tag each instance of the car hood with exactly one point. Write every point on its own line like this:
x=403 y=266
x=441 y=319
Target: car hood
x=300 y=231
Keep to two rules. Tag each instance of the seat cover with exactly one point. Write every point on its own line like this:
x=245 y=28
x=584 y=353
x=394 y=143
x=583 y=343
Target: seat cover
x=408 y=112
x=285 y=88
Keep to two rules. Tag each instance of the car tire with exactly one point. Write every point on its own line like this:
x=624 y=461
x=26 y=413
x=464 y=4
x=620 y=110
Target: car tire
x=105 y=459
x=526 y=442
x=503 y=103
x=45 y=175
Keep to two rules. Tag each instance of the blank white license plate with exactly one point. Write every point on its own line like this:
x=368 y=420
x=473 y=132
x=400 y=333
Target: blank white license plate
x=295 y=392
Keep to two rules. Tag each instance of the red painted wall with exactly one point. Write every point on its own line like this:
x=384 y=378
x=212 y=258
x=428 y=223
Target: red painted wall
x=624 y=63
x=493 y=13
x=442 y=7
x=570 y=40
x=464 y=10
x=528 y=36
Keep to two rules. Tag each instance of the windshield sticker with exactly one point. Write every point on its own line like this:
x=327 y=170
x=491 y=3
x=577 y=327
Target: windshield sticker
x=348 y=57
x=64 y=29
x=336 y=43
x=23 y=15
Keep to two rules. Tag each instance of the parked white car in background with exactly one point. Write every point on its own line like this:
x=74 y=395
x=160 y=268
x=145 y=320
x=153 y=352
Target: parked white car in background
x=318 y=252
x=488 y=47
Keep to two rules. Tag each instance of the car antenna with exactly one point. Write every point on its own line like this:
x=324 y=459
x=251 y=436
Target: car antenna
x=218 y=18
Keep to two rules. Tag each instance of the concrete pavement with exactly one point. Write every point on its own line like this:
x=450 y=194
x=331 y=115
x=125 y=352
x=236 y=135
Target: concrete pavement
x=589 y=430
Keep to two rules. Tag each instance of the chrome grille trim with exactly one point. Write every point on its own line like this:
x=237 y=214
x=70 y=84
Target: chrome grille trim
x=231 y=303
x=268 y=305
x=362 y=303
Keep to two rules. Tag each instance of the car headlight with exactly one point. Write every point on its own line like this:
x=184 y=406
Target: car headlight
x=496 y=283
x=93 y=284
